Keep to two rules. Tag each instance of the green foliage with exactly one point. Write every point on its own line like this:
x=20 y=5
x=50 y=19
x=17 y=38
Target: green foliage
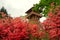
x=46 y=38
x=0 y=16
x=45 y=12
x=3 y=10
x=45 y=3
x=36 y=8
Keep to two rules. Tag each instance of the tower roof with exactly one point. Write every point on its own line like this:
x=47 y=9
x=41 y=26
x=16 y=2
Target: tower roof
x=30 y=10
x=34 y=13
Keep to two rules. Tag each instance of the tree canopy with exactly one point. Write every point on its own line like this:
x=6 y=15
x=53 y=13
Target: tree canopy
x=45 y=4
x=3 y=10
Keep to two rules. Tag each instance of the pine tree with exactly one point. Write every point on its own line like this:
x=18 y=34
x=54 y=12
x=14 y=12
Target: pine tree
x=4 y=10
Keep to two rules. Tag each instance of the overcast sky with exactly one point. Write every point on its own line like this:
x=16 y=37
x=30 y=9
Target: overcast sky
x=17 y=8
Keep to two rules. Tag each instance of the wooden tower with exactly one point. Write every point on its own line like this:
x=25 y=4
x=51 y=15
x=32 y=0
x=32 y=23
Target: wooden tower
x=33 y=16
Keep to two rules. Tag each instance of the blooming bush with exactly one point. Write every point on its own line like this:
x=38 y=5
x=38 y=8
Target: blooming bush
x=52 y=24
x=18 y=29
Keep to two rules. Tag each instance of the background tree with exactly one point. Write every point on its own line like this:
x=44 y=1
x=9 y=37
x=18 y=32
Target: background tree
x=4 y=10
x=45 y=4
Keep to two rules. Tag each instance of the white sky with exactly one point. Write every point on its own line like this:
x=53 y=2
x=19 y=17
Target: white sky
x=17 y=8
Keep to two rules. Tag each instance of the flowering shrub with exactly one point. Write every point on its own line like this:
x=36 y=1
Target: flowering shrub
x=18 y=29
x=52 y=24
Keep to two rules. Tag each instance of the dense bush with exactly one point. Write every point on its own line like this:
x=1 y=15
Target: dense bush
x=52 y=23
x=17 y=29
